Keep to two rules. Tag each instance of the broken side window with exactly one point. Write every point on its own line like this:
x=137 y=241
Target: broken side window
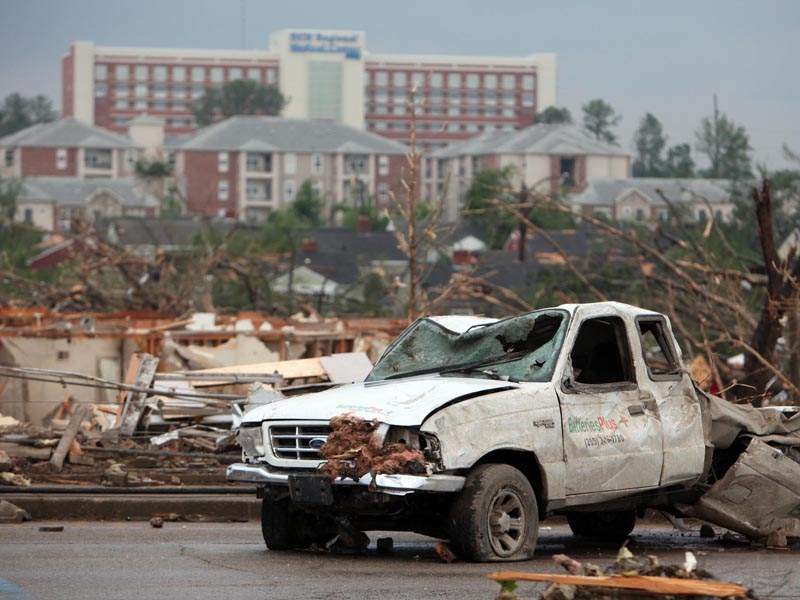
x=601 y=353
x=658 y=354
x=523 y=348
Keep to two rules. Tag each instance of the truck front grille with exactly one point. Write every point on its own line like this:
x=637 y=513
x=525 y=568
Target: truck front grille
x=298 y=442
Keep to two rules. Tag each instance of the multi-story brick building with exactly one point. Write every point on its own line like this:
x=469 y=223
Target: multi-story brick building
x=67 y=148
x=247 y=166
x=543 y=157
x=324 y=74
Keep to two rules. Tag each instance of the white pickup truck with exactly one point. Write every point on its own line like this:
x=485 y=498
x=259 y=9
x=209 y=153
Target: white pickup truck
x=583 y=410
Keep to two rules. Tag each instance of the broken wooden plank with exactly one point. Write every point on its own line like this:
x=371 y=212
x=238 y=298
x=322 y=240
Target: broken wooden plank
x=642 y=583
x=23 y=451
x=133 y=402
x=65 y=443
x=288 y=369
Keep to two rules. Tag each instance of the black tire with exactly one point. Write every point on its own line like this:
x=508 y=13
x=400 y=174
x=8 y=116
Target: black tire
x=276 y=524
x=612 y=526
x=495 y=517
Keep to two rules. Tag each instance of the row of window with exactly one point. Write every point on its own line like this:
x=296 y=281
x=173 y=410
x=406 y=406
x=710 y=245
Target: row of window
x=262 y=163
x=260 y=190
x=93 y=158
x=143 y=90
x=437 y=79
x=453 y=111
x=453 y=97
x=439 y=127
x=182 y=73
x=172 y=123
x=158 y=105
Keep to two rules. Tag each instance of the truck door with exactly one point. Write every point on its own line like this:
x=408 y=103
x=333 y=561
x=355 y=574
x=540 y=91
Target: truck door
x=612 y=441
x=669 y=391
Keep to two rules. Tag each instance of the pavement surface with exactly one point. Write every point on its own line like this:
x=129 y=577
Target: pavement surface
x=199 y=561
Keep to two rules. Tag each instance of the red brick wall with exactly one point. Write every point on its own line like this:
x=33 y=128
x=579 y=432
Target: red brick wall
x=202 y=177
x=67 y=77
x=42 y=162
x=398 y=166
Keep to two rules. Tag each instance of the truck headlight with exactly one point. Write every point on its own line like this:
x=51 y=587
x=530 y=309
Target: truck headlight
x=251 y=439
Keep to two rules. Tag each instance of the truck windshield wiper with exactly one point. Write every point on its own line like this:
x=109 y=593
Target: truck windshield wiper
x=465 y=367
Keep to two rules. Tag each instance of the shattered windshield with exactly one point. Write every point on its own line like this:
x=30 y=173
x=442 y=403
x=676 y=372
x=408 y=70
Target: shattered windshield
x=523 y=348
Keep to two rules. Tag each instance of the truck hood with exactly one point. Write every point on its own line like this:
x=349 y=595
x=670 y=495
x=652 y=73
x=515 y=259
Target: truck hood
x=403 y=402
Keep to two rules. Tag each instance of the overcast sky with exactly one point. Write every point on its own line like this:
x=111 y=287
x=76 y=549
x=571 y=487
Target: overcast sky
x=668 y=58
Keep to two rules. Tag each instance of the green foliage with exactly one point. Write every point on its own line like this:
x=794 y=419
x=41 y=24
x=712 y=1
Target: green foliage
x=487 y=186
x=350 y=215
x=171 y=207
x=240 y=97
x=153 y=169
x=679 y=161
x=726 y=145
x=374 y=292
x=649 y=141
x=554 y=114
x=307 y=204
x=598 y=119
x=9 y=192
x=19 y=112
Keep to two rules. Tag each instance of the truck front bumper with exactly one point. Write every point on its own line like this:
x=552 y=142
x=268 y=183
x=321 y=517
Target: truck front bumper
x=391 y=484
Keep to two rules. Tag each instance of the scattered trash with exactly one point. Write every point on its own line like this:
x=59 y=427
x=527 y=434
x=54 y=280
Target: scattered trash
x=157 y=522
x=11 y=513
x=444 y=552
x=628 y=577
x=7 y=478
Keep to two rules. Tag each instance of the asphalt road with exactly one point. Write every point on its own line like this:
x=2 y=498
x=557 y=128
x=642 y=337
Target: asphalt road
x=219 y=561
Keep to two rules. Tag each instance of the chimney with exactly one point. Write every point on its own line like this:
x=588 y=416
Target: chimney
x=362 y=224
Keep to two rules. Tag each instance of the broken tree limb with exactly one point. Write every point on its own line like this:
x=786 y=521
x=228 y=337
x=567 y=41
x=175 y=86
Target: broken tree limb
x=133 y=402
x=65 y=443
x=642 y=583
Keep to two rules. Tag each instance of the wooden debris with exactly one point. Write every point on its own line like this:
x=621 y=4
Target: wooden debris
x=11 y=513
x=23 y=451
x=65 y=443
x=643 y=583
x=14 y=479
x=141 y=371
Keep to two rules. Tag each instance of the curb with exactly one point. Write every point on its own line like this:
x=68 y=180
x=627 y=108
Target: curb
x=215 y=508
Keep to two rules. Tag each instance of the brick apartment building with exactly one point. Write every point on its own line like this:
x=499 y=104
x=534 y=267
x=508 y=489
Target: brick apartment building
x=542 y=156
x=324 y=74
x=66 y=148
x=248 y=166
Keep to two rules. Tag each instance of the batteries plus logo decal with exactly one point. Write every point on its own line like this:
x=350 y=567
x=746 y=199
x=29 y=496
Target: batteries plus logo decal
x=607 y=430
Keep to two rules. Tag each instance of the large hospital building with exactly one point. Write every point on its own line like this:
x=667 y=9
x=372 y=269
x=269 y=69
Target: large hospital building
x=323 y=74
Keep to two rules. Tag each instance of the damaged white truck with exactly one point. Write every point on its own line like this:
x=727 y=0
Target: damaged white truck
x=581 y=410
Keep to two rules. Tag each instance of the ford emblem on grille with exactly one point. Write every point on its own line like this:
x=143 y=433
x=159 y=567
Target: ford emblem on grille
x=316 y=443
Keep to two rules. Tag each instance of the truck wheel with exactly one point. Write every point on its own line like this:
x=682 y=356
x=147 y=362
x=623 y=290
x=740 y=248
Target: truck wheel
x=276 y=524
x=614 y=526
x=495 y=517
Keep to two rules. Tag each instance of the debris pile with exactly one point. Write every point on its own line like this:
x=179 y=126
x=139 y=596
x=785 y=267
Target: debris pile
x=356 y=447
x=628 y=578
